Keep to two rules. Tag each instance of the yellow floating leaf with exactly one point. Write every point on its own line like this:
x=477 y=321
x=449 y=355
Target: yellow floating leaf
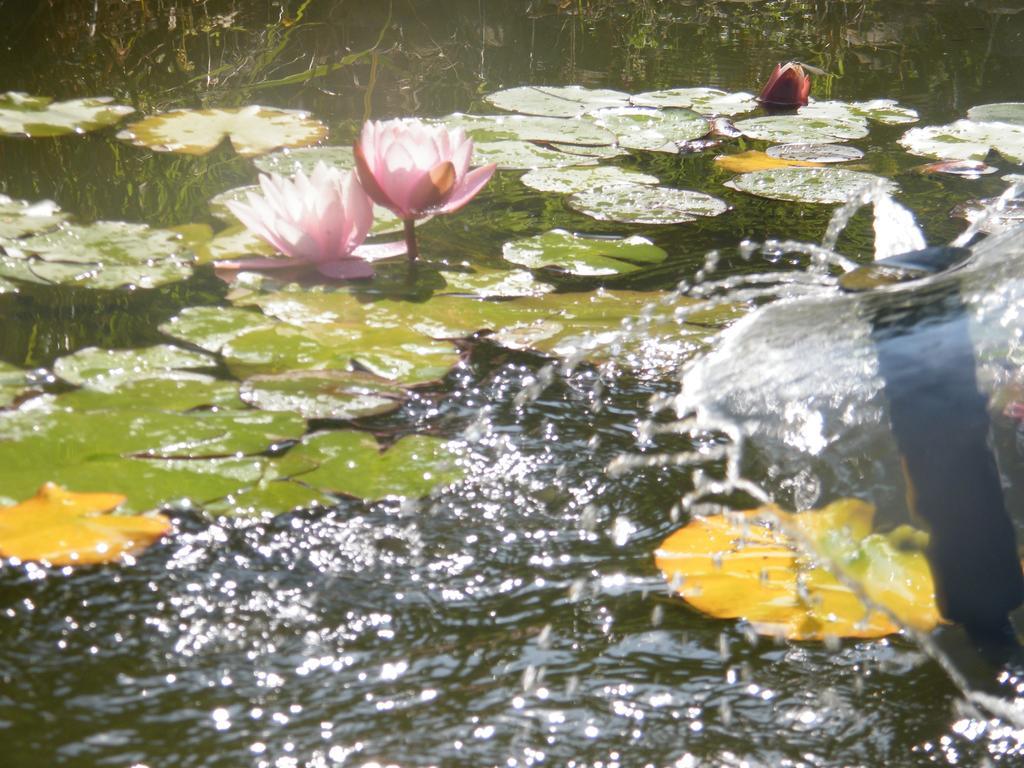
x=741 y=565
x=753 y=160
x=64 y=528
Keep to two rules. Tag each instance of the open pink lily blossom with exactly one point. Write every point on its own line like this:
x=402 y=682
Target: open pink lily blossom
x=416 y=170
x=320 y=221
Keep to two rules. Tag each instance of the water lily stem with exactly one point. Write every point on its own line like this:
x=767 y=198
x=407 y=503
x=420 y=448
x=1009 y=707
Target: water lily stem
x=410 y=240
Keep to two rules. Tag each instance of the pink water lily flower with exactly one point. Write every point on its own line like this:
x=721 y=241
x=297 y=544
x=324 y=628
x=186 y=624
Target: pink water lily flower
x=320 y=221
x=416 y=170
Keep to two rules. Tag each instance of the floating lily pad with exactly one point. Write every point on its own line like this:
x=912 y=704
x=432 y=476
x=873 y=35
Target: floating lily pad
x=13 y=384
x=252 y=130
x=487 y=128
x=595 y=152
x=654 y=130
x=575 y=179
x=287 y=162
x=106 y=369
x=315 y=331
x=495 y=283
x=269 y=495
x=520 y=155
x=384 y=221
x=806 y=185
x=324 y=394
x=19 y=218
x=1011 y=216
x=815 y=153
x=61 y=528
x=885 y=111
x=966 y=140
x=797 y=129
x=968 y=169
x=353 y=463
x=168 y=392
x=641 y=204
x=151 y=456
x=705 y=101
x=739 y=566
x=36 y=116
x=234 y=242
x=564 y=101
x=1005 y=112
x=582 y=255
x=105 y=254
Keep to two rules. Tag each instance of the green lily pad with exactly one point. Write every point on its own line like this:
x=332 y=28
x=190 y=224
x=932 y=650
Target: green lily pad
x=487 y=128
x=287 y=162
x=966 y=140
x=520 y=155
x=107 y=369
x=353 y=464
x=806 y=185
x=234 y=242
x=705 y=101
x=252 y=130
x=486 y=283
x=597 y=153
x=582 y=255
x=576 y=179
x=36 y=116
x=315 y=331
x=885 y=111
x=324 y=394
x=384 y=221
x=6 y=286
x=797 y=129
x=163 y=393
x=152 y=456
x=654 y=130
x=13 y=384
x=269 y=495
x=1005 y=112
x=563 y=101
x=815 y=153
x=105 y=254
x=19 y=218
x=642 y=204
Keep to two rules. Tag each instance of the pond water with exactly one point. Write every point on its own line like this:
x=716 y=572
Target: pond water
x=514 y=616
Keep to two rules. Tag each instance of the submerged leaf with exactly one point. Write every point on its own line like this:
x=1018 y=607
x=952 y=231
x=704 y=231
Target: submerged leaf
x=252 y=130
x=36 y=116
x=64 y=528
x=741 y=565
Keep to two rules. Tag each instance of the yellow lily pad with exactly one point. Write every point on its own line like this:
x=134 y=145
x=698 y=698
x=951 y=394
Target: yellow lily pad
x=253 y=130
x=753 y=160
x=60 y=527
x=742 y=565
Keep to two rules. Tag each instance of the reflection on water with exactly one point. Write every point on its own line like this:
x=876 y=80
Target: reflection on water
x=516 y=618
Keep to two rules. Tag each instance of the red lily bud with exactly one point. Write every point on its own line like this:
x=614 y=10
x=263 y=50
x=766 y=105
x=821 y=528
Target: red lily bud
x=788 y=87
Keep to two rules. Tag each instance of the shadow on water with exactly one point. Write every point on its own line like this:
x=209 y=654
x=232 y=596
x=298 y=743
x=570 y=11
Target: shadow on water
x=515 y=618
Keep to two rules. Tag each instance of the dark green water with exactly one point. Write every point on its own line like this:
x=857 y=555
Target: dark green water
x=516 y=619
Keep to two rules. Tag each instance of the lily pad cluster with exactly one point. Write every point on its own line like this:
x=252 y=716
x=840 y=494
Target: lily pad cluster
x=987 y=128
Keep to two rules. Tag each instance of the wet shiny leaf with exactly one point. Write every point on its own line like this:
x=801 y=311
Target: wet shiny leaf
x=59 y=527
x=487 y=128
x=797 y=129
x=815 y=153
x=805 y=185
x=324 y=394
x=564 y=101
x=653 y=130
x=704 y=101
x=107 y=369
x=644 y=204
x=966 y=140
x=737 y=565
x=574 y=179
